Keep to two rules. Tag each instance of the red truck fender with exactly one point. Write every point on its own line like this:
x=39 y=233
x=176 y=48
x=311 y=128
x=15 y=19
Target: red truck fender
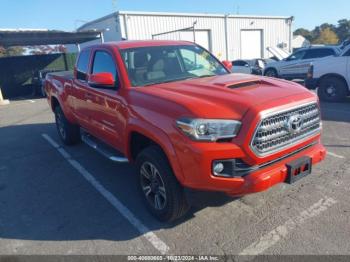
x=158 y=137
x=57 y=97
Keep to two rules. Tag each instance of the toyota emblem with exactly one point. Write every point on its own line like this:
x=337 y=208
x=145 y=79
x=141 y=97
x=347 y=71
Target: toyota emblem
x=294 y=123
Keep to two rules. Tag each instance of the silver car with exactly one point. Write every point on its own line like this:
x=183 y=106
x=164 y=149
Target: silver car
x=297 y=64
x=253 y=66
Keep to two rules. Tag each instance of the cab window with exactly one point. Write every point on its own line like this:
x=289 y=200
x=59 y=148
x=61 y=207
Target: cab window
x=83 y=64
x=104 y=63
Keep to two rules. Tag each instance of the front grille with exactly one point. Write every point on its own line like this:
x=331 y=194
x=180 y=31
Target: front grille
x=283 y=129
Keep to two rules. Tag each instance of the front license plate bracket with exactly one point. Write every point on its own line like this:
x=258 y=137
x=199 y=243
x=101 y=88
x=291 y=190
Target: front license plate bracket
x=298 y=169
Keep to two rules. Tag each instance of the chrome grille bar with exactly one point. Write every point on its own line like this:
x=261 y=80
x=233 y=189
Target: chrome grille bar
x=283 y=129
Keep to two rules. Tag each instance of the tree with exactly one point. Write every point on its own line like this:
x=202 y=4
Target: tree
x=47 y=49
x=11 y=51
x=304 y=32
x=327 y=36
x=343 y=29
x=325 y=33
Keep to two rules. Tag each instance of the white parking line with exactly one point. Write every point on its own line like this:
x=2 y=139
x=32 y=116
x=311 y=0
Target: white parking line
x=25 y=102
x=335 y=155
x=146 y=232
x=271 y=238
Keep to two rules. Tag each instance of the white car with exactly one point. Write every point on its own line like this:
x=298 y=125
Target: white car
x=331 y=75
x=253 y=66
x=297 y=64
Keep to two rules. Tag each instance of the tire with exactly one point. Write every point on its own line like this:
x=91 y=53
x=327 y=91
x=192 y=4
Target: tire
x=332 y=89
x=157 y=181
x=271 y=72
x=69 y=133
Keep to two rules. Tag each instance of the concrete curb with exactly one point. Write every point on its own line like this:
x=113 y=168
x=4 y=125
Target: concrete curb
x=4 y=102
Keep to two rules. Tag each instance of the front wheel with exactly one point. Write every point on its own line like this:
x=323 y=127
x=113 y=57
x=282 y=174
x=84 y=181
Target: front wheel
x=271 y=72
x=69 y=133
x=332 y=89
x=163 y=194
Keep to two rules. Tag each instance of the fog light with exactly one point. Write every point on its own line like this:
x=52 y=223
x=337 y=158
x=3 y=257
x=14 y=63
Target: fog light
x=218 y=168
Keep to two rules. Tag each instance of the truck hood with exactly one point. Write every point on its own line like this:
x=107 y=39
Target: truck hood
x=225 y=96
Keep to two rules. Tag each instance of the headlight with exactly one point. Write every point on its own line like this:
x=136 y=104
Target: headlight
x=208 y=129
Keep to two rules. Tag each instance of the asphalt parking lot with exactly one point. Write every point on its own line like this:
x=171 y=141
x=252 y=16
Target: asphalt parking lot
x=71 y=200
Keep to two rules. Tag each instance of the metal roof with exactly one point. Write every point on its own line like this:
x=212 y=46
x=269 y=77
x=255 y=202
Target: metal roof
x=115 y=14
x=201 y=15
x=25 y=37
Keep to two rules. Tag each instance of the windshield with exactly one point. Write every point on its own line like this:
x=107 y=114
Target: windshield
x=161 y=64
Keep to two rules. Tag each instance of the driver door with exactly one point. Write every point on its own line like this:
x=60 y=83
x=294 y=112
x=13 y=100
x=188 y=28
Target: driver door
x=104 y=105
x=291 y=65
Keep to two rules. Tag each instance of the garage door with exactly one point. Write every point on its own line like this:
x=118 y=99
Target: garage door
x=251 y=44
x=202 y=37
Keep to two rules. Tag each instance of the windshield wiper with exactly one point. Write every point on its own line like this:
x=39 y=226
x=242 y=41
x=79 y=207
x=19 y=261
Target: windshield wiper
x=168 y=81
x=202 y=76
x=178 y=79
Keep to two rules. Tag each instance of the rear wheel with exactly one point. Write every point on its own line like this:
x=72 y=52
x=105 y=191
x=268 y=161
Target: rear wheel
x=163 y=194
x=69 y=133
x=271 y=72
x=332 y=89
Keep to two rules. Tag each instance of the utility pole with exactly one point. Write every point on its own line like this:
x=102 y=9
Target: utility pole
x=194 y=31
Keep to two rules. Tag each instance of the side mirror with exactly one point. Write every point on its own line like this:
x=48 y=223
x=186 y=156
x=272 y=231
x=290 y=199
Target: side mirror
x=102 y=80
x=261 y=64
x=227 y=64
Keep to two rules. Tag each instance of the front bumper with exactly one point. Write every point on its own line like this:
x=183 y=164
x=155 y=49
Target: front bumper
x=197 y=170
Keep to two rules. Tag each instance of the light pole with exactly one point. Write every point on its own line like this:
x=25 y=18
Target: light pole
x=194 y=31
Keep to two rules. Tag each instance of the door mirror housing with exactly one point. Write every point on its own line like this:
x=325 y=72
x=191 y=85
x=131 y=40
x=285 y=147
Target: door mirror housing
x=261 y=64
x=102 y=80
x=227 y=64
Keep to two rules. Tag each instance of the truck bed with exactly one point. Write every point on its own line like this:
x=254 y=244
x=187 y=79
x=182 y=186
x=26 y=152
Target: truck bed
x=66 y=75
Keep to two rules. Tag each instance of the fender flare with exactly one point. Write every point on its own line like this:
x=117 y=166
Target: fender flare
x=57 y=91
x=159 y=137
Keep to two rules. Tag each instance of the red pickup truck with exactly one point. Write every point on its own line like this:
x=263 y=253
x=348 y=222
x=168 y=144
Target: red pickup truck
x=178 y=113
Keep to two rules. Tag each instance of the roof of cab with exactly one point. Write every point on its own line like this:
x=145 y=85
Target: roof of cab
x=125 y=44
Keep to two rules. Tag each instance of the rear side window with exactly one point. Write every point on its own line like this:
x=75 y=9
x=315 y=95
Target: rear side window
x=83 y=64
x=104 y=63
x=317 y=53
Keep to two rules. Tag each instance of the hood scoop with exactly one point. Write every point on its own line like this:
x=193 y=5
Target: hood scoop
x=248 y=84
x=245 y=84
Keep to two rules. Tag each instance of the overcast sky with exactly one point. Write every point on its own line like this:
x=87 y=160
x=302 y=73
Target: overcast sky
x=67 y=15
